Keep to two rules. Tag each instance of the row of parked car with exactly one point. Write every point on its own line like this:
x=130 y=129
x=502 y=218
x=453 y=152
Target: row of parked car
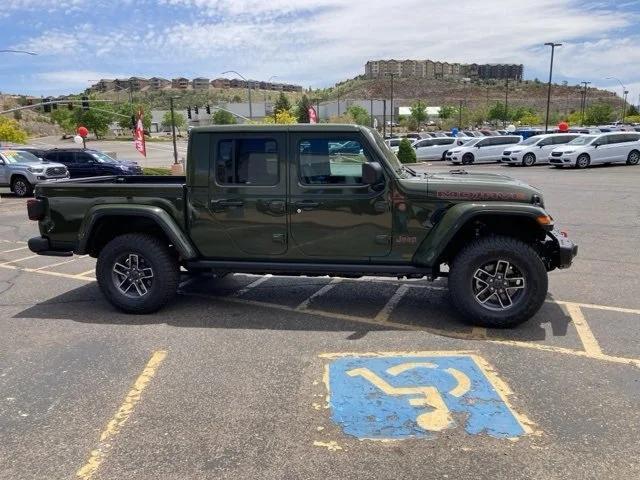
x=21 y=168
x=559 y=149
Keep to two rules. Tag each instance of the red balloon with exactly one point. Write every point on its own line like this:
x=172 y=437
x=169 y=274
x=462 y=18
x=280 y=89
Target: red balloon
x=563 y=126
x=83 y=132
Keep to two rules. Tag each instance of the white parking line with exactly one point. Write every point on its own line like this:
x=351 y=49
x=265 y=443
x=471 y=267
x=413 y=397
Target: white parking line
x=58 y=263
x=244 y=290
x=14 y=249
x=304 y=305
x=18 y=260
x=383 y=315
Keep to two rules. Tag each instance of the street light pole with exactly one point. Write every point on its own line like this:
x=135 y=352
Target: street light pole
x=553 y=48
x=506 y=103
x=583 y=105
x=391 y=124
x=265 y=94
x=248 y=89
x=173 y=133
x=624 y=92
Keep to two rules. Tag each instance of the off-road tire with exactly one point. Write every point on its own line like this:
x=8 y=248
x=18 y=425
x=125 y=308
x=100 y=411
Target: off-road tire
x=164 y=265
x=468 y=159
x=21 y=187
x=529 y=160
x=583 y=161
x=633 y=158
x=487 y=249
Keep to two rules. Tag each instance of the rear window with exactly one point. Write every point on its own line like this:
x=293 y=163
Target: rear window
x=249 y=161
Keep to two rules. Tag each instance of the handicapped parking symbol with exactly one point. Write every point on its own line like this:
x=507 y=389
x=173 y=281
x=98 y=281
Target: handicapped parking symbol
x=394 y=397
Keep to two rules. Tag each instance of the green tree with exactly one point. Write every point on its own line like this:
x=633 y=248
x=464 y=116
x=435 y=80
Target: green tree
x=282 y=104
x=598 y=113
x=498 y=112
x=178 y=120
x=406 y=153
x=446 y=112
x=10 y=131
x=418 y=112
x=127 y=110
x=222 y=117
x=359 y=115
x=632 y=111
x=97 y=119
x=65 y=119
x=530 y=119
x=302 y=109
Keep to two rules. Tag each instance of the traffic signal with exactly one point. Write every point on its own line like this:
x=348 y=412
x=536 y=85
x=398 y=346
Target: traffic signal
x=47 y=106
x=189 y=113
x=85 y=103
x=208 y=109
x=195 y=109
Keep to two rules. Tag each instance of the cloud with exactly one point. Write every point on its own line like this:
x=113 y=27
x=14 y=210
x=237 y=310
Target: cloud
x=318 y=42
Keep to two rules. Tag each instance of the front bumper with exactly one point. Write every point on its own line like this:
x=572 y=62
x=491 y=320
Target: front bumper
x=559 y=250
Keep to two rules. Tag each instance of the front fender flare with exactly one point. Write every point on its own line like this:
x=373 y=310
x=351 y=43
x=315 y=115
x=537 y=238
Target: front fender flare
x=456 y=217
x=161 y=217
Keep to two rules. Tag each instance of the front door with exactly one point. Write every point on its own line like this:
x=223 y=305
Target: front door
x=332 y=214
x=4 y=172
x=247 y=196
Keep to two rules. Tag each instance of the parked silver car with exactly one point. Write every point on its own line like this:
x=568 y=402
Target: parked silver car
x=20 y=171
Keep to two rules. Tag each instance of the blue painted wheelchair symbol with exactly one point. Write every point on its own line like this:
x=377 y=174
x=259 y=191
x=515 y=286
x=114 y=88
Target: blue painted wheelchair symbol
x=394 y=397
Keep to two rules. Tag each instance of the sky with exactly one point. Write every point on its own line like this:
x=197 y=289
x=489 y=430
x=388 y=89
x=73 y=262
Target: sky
x=314 y=43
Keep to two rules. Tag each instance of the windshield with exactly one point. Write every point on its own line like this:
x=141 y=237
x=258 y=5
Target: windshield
x=530 y=141
x=16 y=156
x=102 y=157
x=581 y=140
x=391 y=158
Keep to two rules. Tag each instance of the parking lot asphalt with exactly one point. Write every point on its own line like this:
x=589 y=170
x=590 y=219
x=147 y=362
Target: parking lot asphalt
x=237 y=378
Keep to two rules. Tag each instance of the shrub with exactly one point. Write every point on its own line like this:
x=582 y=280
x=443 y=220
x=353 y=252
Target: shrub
x=406 y=153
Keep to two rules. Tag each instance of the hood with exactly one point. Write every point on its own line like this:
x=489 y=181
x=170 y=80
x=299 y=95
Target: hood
x=460 y=185
x=43 y=165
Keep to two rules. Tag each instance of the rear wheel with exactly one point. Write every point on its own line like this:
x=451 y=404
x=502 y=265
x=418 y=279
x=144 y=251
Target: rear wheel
x=467 y=159
x=583 y=161
x=137 y=273
x=444 y=155
x=633 y=158
x=497 y=282
x=21 y=186
x=528 y=160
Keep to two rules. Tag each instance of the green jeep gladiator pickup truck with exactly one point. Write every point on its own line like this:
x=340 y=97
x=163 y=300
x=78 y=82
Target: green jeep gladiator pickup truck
x=307 y=200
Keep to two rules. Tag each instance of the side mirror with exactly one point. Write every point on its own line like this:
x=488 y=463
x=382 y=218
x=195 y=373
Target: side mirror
x=371 y=173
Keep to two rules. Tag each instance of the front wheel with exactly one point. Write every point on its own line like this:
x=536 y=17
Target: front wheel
x=497 y=282
x=467 y=159
x=137 y=273
x=583 y=161
x=21 y=187
x=633 y=158
x=529 y=160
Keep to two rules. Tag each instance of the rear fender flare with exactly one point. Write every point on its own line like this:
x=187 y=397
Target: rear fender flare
x=161 y=217
x=457 y=217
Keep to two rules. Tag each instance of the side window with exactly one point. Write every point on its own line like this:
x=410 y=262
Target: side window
x=425 y=143
x=325 y=161
x=562 y=139
x=510 y=140
x=604 y=140
x=84 y=158
x=484 y=143
x=66 y=157
x=247 y=161
x=51 y=157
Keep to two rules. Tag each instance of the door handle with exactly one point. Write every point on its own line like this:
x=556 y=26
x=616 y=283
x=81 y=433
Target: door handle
x=227 y=203
x=307 y=204
x=277 y=206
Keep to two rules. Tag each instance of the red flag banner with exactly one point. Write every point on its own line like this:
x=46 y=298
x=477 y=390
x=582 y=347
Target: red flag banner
x=313 y=115
x=138 y=135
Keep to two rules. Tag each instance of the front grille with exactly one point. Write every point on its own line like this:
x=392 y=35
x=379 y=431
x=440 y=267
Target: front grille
x=56 y=171
x=556 y=154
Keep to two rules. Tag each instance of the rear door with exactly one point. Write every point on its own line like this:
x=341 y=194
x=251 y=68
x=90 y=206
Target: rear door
x=247 y=199
x=332 y=214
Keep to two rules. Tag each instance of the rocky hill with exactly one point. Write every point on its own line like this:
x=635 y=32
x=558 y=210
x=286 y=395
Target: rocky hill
x=564 y=99
x=33 y=122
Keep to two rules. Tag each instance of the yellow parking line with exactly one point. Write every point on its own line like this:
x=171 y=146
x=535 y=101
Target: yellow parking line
x=46 y=272
x=254 y=284
x=56 y=264
x=598 y=307
x=587 y=338
x=305 y=304
x=112 y=429
x=17 y=260
x=84 y=274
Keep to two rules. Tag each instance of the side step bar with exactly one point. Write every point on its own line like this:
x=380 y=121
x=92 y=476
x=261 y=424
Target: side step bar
x=293 y=268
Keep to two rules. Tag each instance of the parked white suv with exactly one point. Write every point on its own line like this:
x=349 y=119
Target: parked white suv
x=593 y=149
x=535 y=149
x=434 y=148
x=485 y=149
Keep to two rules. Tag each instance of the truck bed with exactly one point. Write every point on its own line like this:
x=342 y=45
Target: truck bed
x=69 y=201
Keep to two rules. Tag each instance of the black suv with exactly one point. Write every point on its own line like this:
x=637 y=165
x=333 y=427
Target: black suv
x=91 y=163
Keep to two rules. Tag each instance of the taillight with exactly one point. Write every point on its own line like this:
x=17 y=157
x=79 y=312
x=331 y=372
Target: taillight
x=35 y=208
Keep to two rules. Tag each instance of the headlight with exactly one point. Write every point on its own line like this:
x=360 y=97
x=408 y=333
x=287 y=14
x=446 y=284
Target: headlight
x=35 y=169
x=569 y=152
x=124 y=167
x=516 y=151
